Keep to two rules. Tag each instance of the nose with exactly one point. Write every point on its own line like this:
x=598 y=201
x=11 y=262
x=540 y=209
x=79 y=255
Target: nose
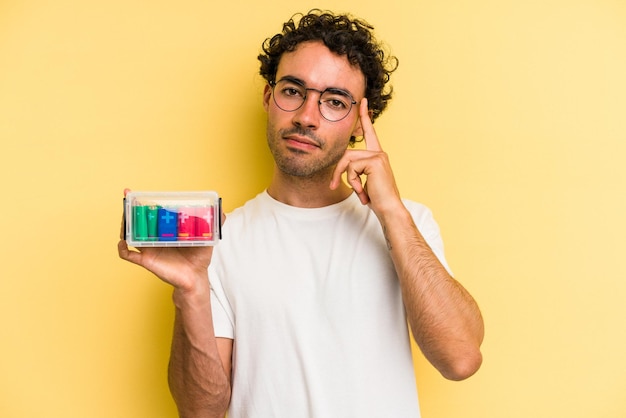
x=308 y=115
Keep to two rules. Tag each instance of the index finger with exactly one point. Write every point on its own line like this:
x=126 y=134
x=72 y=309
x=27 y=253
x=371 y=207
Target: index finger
x=369 y=133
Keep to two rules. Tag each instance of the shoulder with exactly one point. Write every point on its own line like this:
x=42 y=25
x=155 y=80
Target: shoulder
x=252 y=208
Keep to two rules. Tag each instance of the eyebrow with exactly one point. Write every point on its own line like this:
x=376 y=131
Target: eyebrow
x=300 y=82
x=292 y=79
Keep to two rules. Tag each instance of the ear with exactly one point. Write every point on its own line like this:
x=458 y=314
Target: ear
x=267 y=93
x=358 y=129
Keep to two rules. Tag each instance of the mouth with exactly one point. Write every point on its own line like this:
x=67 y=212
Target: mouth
x=301 y=141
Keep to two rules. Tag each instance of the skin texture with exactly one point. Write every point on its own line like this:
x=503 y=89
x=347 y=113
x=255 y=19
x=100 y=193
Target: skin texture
x=311 y=155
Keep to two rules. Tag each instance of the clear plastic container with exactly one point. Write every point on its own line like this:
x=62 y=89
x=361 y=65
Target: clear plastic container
x=172 y=219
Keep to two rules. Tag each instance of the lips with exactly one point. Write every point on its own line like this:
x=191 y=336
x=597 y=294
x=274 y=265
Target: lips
x=301 y=140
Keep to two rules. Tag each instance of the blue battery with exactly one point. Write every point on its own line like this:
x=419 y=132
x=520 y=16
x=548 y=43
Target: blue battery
x=167 y=220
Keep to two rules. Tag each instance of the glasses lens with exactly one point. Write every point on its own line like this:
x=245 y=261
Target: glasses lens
x=289 y=96
x=335 y=105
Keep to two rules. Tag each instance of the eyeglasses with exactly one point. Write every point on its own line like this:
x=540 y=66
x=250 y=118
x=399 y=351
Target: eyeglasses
x=334 y=104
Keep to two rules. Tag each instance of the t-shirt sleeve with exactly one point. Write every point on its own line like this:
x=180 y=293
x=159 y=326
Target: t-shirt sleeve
x=223 y=322
x=428 y=227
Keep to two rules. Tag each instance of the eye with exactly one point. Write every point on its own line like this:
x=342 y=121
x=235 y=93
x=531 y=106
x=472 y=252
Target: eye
x=335 y=101
x=291 y=92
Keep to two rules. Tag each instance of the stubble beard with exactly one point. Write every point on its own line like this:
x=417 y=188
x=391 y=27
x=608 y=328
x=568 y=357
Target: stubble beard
x=298 y=163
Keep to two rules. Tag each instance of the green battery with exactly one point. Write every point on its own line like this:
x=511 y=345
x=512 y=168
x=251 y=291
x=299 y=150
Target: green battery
x=151 y=214
x=140 y=223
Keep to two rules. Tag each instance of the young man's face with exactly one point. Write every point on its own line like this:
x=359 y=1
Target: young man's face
x=303 y=142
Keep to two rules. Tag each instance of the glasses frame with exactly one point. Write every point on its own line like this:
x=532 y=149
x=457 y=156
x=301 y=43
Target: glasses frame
x=273 y=84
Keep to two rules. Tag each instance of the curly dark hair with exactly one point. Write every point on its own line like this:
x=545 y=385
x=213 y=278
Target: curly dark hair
x=343 y=35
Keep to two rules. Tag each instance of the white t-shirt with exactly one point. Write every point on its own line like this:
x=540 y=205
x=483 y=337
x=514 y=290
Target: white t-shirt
x=311 y=299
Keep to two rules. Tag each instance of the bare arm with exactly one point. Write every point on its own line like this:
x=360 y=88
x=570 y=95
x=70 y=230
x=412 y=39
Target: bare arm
x=200 y=363
x=444 y=318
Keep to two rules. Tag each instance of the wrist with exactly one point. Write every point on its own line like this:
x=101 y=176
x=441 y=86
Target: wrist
x=198 y=293
x=393 y=213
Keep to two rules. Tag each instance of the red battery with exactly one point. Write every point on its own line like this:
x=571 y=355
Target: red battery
x=204 y=223
x=186 y=224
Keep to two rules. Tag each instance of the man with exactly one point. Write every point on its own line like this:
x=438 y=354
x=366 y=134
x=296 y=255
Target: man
x=303 y=310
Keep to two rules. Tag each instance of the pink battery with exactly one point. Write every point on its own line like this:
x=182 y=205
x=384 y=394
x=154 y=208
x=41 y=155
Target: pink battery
x=186 y=224
x=204 y=223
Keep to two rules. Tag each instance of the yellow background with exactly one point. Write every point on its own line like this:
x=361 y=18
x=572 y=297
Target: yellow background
x=508 y=121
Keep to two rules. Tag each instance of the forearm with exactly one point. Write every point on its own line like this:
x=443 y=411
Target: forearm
x=444 y=318
x=198 y=380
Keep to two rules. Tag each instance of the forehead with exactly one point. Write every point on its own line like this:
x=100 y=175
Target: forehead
x=313 y=63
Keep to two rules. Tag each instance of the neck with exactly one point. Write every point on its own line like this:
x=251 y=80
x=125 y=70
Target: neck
x=306 y=192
